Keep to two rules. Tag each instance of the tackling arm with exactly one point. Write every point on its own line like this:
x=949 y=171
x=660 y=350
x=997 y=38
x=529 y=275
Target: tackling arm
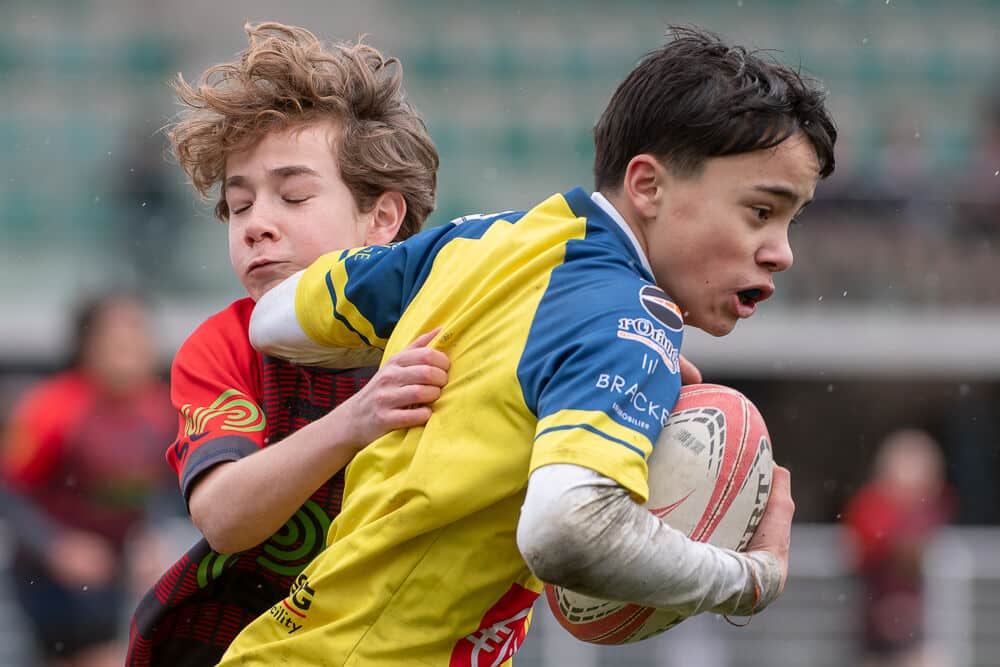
x=275 y=330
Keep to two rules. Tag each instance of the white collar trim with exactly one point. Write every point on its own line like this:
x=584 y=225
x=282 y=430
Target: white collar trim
x=613 y=213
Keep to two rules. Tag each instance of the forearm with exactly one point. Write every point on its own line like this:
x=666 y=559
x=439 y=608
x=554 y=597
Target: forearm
x=584 y=532
x=238 y=505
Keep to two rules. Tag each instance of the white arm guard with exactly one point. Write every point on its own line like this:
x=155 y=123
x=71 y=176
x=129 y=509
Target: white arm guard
x=275 y=330
x=583 y=531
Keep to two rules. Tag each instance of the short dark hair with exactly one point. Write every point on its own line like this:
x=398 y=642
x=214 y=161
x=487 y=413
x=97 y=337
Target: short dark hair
x=696 y=97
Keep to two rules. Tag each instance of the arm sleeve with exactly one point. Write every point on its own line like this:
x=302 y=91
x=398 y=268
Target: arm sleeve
x=216 y=390
x=601 y=371
x=341 y=310
x=582 y=531
x=275 y=331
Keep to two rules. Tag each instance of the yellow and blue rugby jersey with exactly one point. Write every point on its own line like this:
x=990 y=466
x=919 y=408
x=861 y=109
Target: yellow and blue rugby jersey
x=562 y=351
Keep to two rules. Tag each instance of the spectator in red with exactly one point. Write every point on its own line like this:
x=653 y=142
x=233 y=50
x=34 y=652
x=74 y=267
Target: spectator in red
x=81 y=462
x=891 y=521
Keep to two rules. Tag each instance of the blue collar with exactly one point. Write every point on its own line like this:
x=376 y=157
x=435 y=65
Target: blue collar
x=583 y=206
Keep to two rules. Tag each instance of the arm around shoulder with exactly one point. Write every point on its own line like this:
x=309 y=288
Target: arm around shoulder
x=274 y=327
x=275 y=330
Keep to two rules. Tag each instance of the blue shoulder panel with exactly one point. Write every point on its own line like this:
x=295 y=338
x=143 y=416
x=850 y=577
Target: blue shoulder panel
x=602 y=339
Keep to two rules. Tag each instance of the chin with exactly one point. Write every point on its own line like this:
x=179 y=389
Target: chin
x=256 y=291
x=717 y=329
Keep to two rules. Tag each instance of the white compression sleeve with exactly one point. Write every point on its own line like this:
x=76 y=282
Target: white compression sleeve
x=583 y=531
x=275 y=330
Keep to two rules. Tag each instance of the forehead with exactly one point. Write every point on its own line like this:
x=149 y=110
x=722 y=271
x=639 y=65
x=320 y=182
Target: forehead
x=793 y=162
x=792 y=166
x=309 y=143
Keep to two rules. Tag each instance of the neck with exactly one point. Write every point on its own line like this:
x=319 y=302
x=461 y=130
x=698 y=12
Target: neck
x=631 y=217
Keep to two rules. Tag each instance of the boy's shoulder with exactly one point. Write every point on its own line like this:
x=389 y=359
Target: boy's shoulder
x=234 y=319
x=224 y=333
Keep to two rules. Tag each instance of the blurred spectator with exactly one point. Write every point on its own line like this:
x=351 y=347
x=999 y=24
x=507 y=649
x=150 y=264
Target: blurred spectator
x=82 y=461
x=979 y=185
x=890 y=522
x=903 y=163
x=149 y=219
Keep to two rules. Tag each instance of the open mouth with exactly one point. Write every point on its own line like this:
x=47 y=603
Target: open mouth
x=749 y=297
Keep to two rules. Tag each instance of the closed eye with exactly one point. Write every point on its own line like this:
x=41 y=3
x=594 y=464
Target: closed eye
x=237 y=211
x=295 y=200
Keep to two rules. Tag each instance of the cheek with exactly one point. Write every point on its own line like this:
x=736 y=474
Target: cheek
x=339 y=234
x=234 y=240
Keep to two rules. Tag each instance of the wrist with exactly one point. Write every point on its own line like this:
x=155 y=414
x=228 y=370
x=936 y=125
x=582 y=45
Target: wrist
x=761 y=588
x=769 y=573
x=339 y=430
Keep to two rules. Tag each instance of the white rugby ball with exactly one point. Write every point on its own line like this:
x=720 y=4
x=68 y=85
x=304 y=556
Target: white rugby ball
x=710 y=477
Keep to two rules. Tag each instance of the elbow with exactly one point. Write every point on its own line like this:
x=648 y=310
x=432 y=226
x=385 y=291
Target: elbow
x=263 y=331
x=273 y=319
x=222 y=538
x=222 y=531
x=554 y=550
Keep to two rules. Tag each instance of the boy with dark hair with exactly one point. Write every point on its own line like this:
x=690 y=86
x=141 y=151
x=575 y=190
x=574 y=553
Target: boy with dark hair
x=563 y=325
x=314 y=148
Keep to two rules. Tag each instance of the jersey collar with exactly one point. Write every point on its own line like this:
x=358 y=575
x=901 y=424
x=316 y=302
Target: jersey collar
x=613 y=213
x=597 y=208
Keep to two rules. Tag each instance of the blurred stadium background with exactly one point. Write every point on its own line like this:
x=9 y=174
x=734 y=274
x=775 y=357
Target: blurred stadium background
x=888 y=318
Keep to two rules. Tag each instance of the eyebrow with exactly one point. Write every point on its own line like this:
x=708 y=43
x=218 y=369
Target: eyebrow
x=280 y=172
x=784 y=193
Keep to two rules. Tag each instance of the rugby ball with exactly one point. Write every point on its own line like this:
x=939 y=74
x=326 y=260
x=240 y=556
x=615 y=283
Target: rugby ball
x=710 y=477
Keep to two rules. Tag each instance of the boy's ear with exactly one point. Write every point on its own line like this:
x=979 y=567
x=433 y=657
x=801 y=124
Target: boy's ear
x=386 y=216
x=643 y=185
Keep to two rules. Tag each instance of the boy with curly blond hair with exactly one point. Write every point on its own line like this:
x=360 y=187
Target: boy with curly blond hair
x=313 y=148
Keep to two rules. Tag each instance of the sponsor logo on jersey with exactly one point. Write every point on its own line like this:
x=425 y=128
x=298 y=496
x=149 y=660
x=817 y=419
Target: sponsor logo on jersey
x=291 y=612
x=367 y=252
x=636 y=399
x=644 y=330
x=481 y=216
x=661 y=308
x=234 y=407
x=500 y=633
